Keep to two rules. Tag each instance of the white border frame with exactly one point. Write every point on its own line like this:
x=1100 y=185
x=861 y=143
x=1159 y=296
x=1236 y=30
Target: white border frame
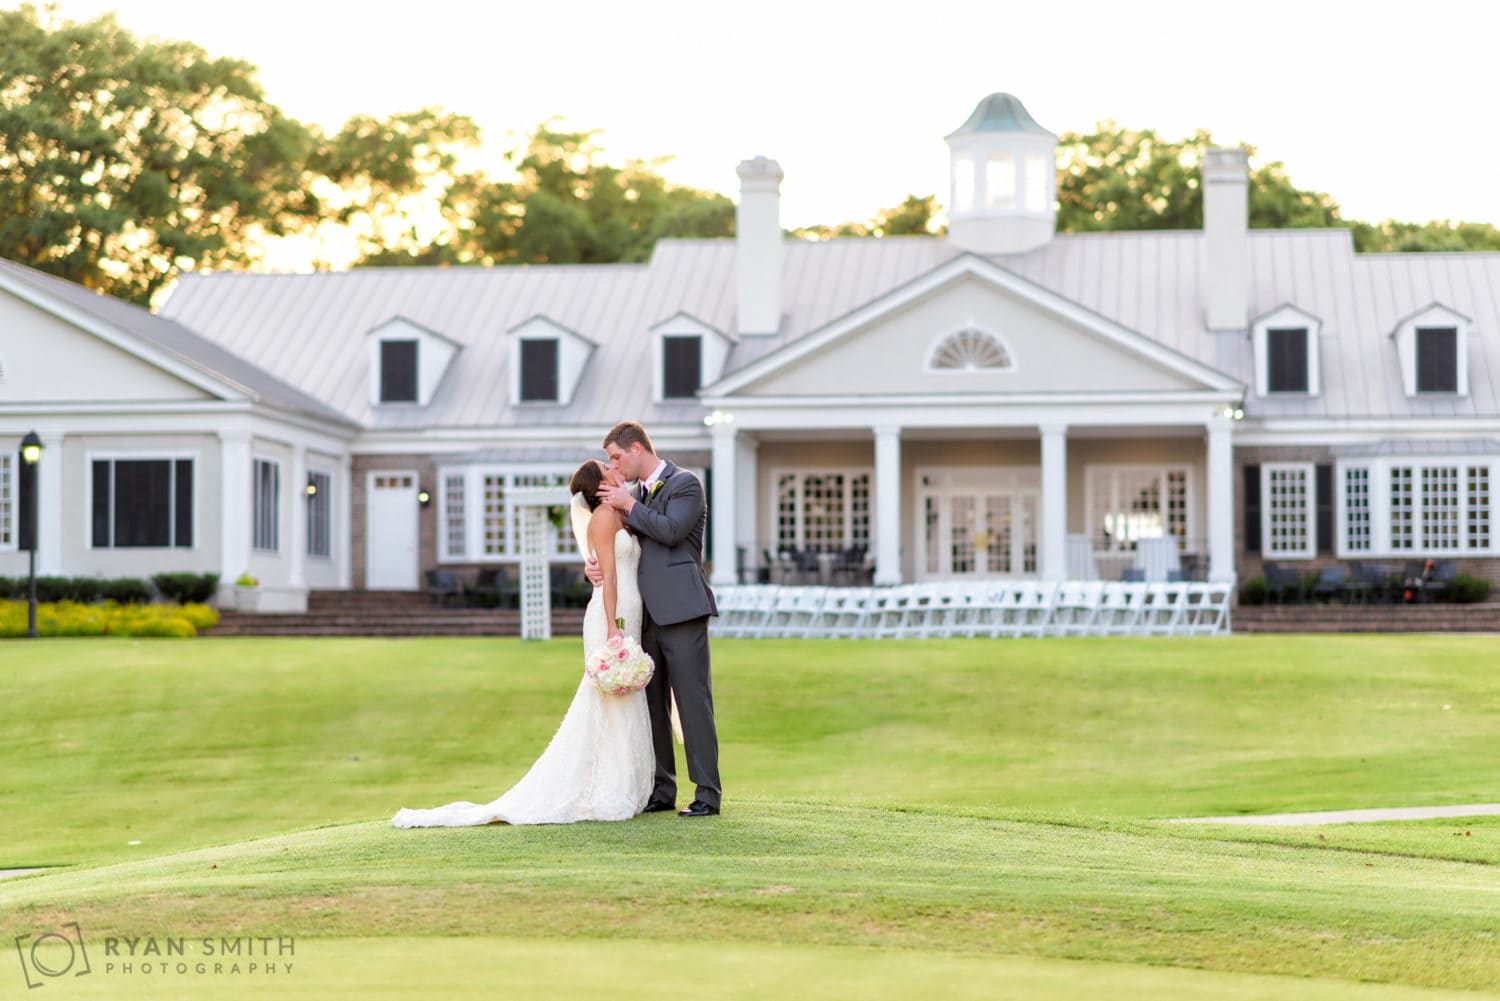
x=307 y=522
x=1020 y=481
x=473 y=476
x=113 y=455
x=1310 y=516
x=848 y=472
x=1191 y=470
x=1380 y=507
x=254 y=515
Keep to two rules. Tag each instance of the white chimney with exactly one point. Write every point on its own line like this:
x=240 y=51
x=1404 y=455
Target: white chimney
x=757 y=247
x=1226 y=239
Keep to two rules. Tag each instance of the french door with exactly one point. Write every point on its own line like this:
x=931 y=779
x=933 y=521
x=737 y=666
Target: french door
x=976 y=523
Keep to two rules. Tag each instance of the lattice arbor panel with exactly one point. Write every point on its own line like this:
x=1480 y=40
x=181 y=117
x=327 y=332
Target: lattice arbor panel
x=537 y=538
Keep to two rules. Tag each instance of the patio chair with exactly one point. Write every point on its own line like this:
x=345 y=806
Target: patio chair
x=1283 y=583
x=1441 y=580
x=493 y=588
x=848 y=567
x=443 y=586
x=1330 y=583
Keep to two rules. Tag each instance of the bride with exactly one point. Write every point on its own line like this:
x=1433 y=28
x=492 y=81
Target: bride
x=600 y=764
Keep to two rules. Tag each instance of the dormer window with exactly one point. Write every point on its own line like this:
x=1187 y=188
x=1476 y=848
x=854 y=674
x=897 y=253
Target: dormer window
x=398 y=371
x=682 y=366
x=688 y=355
x=1285 y=343
x=407 y=362
x=539 y=370
x=1437 y=359
x=1286 y=360
x=1433 y=349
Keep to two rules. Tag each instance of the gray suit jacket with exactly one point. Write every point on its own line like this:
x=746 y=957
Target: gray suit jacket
x=670 y=524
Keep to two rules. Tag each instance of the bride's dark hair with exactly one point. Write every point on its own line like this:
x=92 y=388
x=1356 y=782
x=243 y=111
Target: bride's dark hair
x=586 y=481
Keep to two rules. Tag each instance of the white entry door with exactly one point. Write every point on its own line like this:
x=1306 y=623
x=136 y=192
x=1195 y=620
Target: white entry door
x=972 y=523
x=391 y=532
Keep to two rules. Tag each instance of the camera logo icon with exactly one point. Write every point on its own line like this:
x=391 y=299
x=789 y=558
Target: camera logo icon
x=53 y=954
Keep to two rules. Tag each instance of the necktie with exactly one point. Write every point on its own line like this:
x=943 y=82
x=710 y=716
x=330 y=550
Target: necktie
x=640 y=492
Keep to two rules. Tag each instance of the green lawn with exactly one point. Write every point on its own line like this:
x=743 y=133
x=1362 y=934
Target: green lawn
x=894 y=811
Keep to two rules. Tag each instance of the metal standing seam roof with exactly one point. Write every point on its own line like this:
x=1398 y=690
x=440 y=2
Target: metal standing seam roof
x=309 y=329
x=174 y=339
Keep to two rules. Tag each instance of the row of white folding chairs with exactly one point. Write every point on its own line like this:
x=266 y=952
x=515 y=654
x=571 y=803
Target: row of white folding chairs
x=975 y=608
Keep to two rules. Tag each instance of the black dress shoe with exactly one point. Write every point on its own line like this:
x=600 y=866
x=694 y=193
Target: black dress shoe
x=659 y=806
x=700 y=809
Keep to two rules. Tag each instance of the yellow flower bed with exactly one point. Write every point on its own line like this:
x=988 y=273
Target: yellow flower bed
x=68 y=618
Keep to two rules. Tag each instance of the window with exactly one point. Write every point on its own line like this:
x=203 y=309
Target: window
x=963 y=184
x=1128 y=503
x=142 y=503
x=1286 y=360
x=823 y=511
x=1437 y=360
x=562 y=536
x=398 y=371
x=495 y=536
x=455 y=528
x=539 y=371
x=1407 y=508
x=7 y=503
x=1037 y=183
x=266 y=528
x=968 y=350
x=1000 y=181
x=320 y=514
x=1357 y=509
x=1287 y=510
x=682 y=365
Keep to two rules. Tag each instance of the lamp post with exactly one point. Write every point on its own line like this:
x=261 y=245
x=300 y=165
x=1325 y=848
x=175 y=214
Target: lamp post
x=31 y=454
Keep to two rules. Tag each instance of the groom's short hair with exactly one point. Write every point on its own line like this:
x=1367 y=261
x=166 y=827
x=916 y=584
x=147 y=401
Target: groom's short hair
x=627 y=433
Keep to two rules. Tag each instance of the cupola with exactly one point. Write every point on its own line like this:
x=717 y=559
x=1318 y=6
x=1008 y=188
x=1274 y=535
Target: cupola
x=1004 y=177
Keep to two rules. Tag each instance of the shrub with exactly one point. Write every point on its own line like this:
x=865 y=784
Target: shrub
x=125 y=590
x=187 y=588
x=201 y=616
x=1468 y=589
x=1254 y=591
x=79 y=589
x=69 y=618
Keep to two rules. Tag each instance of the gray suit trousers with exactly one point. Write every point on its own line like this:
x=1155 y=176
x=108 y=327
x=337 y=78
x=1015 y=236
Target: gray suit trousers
x=680 y=651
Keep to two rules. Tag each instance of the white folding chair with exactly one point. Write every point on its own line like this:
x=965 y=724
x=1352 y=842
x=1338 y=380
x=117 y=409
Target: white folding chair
x=755 y=619
x=807 y=609
x=843 y=615
x=887 y=619
x=1120 y=608
x=1030 y=608
x=1161 y=613
x=966 y=610
x=1075 y=608
x=1206 y=608
x=729 y=600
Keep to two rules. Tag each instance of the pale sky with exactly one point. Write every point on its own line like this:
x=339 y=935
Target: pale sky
x=1391 y=108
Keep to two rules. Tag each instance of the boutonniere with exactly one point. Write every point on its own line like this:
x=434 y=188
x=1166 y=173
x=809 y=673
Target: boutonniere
x=655 y=487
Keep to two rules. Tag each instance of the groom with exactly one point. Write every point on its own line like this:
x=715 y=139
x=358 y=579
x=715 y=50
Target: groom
x=668 y=514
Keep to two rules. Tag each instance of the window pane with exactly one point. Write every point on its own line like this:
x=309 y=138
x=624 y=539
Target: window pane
x=823 y=513
x=398 y=371
x=1000 y=181
x=859 y=510
x=1479 y=507
x=453 y=511
x=7 y=503
x=1403 y=535
x=1288 y=504
x=1036 y=183
x=1440 y=507
x=494 y=515
x=267 y=514
x=182 y=487
x=1286 y=360
x=143 y=503
x=1437 y=360
x=1357 y=509
x=539 y=371
x=786 y=512
x=682 y=366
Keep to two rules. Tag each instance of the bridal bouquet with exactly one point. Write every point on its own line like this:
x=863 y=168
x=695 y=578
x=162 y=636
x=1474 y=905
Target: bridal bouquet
x=619 y=667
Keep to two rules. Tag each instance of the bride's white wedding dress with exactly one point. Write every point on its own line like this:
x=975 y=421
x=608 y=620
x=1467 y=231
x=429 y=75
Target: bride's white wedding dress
x=600 y=764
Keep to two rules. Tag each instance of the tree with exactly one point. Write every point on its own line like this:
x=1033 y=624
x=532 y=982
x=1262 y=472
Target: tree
x=1411 y=237
x=1116 y=178
x=123 y=162
x=913 y=217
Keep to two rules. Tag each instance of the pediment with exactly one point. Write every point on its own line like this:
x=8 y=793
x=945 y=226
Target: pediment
x=972 y=328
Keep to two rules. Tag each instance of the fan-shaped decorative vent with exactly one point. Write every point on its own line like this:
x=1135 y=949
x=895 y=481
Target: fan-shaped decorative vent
x=968 y=350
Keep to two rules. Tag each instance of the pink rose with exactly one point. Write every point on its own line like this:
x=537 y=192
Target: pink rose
x=616 y=642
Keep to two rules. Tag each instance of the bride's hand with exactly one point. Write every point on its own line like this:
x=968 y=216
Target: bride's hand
x=613 y=632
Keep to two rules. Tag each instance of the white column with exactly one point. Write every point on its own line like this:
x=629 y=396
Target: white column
x=722 y=504
x=235 y=500
x=297 y=565
x=1220 y=501
x=50 y=505
x=887 y=505
x=1054 y=562
x=747 y=500
x=343 y=515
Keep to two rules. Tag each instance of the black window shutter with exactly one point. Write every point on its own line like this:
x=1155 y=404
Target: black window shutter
x=539 y=371
x=183 y=537
x=398 y=371
x=1437 y=360
x=1323 y=498
x=1286 y=360
x=682 y=359
x=102 y=538
x=1252 y=509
